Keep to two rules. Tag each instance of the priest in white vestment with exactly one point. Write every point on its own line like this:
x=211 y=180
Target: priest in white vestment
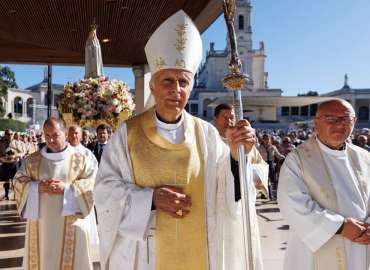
x=89 y=222
x=224 y=117
x=164 y=192
x=53 y=190
x=324 y=196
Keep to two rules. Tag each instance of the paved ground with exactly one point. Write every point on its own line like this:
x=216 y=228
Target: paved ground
x=273 y=232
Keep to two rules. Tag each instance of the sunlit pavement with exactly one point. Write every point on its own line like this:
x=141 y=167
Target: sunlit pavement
x=12 y=235
x=273 y=232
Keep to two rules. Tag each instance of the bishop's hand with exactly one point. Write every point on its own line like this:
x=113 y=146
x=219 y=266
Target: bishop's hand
x=240 y=134
x=171 y=200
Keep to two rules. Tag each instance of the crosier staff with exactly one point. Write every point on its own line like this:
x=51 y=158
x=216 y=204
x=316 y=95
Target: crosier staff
x=235 y=81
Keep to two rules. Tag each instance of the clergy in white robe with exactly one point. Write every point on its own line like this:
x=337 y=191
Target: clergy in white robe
x=164 y=192
x=324 y=196
x=223 y=118
x=89 y=222
x=53 y=191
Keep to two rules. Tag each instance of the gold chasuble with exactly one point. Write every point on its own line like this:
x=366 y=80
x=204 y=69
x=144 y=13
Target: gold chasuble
x=181 y=244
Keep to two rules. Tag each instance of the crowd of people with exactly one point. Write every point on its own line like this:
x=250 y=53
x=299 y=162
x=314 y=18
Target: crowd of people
x=275 y=145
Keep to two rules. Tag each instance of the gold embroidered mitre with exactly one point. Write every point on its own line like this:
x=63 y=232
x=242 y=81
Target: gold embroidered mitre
x=176 y=44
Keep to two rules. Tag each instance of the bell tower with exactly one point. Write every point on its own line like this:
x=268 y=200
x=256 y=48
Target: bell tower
x=242 y=24
x=243 y=33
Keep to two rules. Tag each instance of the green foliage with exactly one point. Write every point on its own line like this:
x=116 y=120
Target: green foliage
x=14 y=125
x=309 y=94
x=7 y=80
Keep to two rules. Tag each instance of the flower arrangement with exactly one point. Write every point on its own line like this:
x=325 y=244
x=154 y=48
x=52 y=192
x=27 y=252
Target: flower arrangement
x=98 y=98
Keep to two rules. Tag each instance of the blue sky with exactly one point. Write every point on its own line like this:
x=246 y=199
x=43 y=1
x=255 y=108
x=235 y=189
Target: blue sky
x=310 y=45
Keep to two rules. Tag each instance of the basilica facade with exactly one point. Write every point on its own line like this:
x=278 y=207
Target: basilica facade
x=263 y=106
x=209 y=87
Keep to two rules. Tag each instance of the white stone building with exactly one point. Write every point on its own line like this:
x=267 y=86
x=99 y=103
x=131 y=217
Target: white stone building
x=263 y=106
x=30 y=105
x=358 y=97
x=209 y=85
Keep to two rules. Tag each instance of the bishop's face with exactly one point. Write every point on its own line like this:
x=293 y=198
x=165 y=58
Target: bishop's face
x=171 y=89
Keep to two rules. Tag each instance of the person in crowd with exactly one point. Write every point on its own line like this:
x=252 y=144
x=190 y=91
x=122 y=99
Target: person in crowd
x=5 y=142
x=286 y=146
x=85 y=141
x=18 y=145
x=363 y=143
x=103 y=133
x=366 y=132
x=164 y=190
x=53 y=191
x=295 y=140
x=272 y=156
x=324 y=195
x=224 y=117
x=40 y=141
x=8 y=168
x=75 y=139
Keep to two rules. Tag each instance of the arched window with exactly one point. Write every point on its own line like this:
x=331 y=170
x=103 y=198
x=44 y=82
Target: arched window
x=363 y=113
x=241 y=22
x=18 y=106
x=30 y=107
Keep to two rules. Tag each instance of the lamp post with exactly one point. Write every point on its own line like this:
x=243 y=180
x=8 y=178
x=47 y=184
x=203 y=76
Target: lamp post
x=49 y=92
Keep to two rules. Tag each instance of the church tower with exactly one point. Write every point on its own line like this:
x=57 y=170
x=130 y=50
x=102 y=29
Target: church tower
x=243 y=33
x=242 y=24
x=253 y=60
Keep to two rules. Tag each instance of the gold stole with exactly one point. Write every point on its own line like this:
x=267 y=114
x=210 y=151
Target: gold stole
x=318 y=180
x=33 y=163
x=181 y=244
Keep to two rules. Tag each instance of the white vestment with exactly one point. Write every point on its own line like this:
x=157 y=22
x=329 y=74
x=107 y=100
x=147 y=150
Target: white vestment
x=313 y=226
x=125 y=216
x=54 y=237
x=89 y=222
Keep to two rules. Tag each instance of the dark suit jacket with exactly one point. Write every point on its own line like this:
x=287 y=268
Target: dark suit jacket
x=94 y=147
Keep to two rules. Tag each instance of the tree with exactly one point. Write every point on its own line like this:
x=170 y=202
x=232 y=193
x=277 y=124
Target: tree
x=7 y=80
x=309 y=94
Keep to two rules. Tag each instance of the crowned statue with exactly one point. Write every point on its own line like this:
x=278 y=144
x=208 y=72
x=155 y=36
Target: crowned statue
x=95 y=99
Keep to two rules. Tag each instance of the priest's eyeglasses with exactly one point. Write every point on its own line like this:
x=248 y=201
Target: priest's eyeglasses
x=338 y=119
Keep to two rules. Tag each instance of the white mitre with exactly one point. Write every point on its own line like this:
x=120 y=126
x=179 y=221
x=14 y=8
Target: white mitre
x=176 y=44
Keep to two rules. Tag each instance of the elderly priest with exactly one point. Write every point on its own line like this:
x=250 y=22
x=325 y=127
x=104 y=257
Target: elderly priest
x=165 y=191
x=324 y=195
